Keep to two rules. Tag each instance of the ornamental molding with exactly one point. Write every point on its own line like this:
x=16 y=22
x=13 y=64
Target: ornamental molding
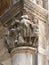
x=18 y=7
x=24 y=49
x=36 y=10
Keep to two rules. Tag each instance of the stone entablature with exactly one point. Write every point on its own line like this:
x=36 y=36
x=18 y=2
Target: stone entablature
x=35 y=10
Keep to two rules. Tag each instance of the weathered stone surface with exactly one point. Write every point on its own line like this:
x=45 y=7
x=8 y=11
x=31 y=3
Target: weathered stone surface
x=22 y=33
x=23 y=59
x=25 y=52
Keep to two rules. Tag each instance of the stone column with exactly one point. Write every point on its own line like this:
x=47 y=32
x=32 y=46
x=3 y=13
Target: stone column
x=23 y=56
x=42 y=43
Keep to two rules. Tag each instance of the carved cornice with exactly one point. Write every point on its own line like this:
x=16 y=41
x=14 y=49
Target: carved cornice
x=33 y=8
x=36 y=10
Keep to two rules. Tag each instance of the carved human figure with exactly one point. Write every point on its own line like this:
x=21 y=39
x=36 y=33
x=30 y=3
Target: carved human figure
x=28 y=24
x=21 y=32
x=31 y=27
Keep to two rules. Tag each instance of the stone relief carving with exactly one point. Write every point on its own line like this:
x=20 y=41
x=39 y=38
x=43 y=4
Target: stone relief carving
x=23 y=32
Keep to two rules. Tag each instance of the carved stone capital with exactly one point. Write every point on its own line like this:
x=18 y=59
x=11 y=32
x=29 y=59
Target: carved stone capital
x=23 y=32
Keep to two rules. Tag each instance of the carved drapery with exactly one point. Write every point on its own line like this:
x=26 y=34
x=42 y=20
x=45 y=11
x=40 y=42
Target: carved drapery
x=23 y=32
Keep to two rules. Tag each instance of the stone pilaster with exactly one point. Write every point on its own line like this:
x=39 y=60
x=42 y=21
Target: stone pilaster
x=42 y=44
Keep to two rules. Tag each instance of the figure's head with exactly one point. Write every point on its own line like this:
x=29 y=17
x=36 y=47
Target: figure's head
x=35 y=20
x=24 y=16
